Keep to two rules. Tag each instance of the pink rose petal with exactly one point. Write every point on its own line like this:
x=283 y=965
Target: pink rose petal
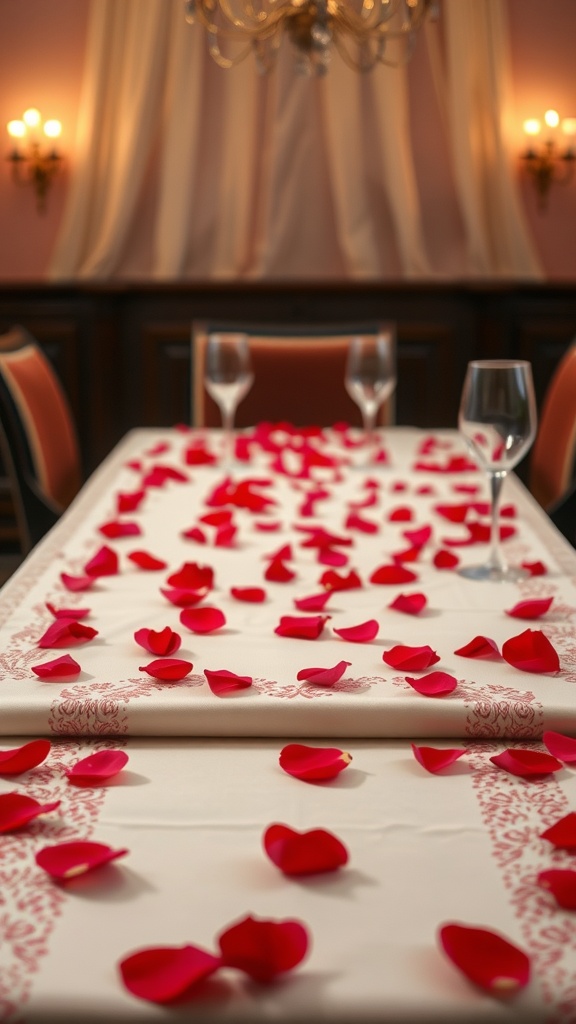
x=486 y=958
x=532 y=609
x=479 y=647
x=324 y=676
x=312 y=764
x=526 y=762
x=21 y=759
x=263 y=949
x=410 y=604
x=223 y=681
x=561 y=882
x=562 y=833
x=413 y=659
x=304 y=853
x=97 y=767
x=162 y=642
x=64 y=632
x=434 y=684
x=301 y=627
x=361 y=633
x=16 y=810
x=531 y=651
x=68 y=860
x=67 y=613
x=63 y=667
x=434 y=759
x=314 y=603
x=104 y=563
x=392 y=574
x=169 y=670
x=253 y=595
x=144 y=560
x=161 y=974
x=561 y=746
x=202 y=620
x=77 y=583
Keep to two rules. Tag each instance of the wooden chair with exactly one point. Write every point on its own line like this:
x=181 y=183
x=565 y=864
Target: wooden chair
x=38 y=439
x=552 y=461
x=298 y=375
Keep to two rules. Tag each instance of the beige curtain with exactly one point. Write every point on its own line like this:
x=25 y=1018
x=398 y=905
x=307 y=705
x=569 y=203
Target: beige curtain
x=187 y=171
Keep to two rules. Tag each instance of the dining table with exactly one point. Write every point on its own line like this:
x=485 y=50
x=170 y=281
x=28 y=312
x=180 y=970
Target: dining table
x=267 y=755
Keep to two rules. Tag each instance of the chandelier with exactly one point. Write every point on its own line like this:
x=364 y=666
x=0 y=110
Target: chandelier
x=363 y=32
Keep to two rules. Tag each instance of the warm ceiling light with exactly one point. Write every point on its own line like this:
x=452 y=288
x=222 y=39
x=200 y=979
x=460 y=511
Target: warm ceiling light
x=532 y=126
x=52 y=129
x=32 y=117
x=552 y=118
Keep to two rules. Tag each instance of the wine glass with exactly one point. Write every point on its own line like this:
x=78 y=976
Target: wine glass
x=228 y=377
x=497 y=418
x=371 y=374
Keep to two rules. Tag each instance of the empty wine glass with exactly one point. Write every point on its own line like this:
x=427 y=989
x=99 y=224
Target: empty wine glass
x=497 y=418
x=228 y=377
x=371 y=374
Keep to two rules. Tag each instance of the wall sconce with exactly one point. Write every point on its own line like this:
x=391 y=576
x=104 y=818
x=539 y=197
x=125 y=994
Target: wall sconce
x=34 y=164
x=545 y=161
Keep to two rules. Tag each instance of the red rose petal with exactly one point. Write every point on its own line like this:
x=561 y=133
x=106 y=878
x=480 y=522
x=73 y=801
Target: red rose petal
x=59 y=668
x=223 y=681
x=361 y=633
x=329 y=556
x=535 y=568
x=202 y=620
x=67 y=613
x=434 y=684
x=357 y=522
x=420 y=537
x=304 y=853
x=192 y=577
x=313 y=763
x=278 y=572
x=445 y=559
x=76 y=583
x=392 y=574
x=414 y=659
x=129 y=501
x=403 y=514
x=161 y=974
x=162 y=642
x=263 y=948
x=301 y=627
x=97 y=767
x=561 y=746
x=21 y=759
x=253 y=595
x=563 y=832
x=433 y=759
x=167 y=669
x=104 y=563
x=63 y=632
x=68 y=860
x=16 y=810
x=531 y=651
x=561 y=882
x=184 y=598
x=324 y=676
x=194 y=533
x=526 y=762
x=410 y=604
x=314 y=603
x=486 y=958
x=144 y=560
x=331 y=580
x=532 y=609
x=479 y=647
x=115 y=528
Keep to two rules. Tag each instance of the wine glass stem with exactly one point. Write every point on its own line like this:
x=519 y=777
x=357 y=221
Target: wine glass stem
x=228 y=425
x=369 y=417
x=497 y=478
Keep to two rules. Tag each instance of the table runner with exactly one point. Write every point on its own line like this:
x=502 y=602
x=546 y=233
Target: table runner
x=274 y=509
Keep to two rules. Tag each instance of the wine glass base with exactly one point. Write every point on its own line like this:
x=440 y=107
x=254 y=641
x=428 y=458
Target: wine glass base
x=503 y=574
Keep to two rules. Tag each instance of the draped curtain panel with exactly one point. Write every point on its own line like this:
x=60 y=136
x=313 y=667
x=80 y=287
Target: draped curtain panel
x=186 y=171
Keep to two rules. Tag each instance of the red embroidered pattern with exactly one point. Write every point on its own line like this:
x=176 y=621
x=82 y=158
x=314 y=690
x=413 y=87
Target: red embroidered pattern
x=101 y=709
x=288 y=691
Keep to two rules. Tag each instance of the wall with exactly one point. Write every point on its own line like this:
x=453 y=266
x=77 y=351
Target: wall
x=41 y=52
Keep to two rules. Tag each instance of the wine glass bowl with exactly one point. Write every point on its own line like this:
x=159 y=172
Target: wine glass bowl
x=370 y=376
x=497 y=419
x=228 y=376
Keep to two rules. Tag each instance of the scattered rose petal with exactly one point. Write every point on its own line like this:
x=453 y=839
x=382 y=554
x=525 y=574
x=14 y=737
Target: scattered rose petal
x=413 y=659
x=144 y=560
x=330 y=556
x=361 y=633
x=535 y=568
x=202 y=620
x=419 y=537
x=391 y=574
x=161 y=974
x=531 y=651
x=16 y=810
x=115 y=528
x=445 y=559
x=410 y=604
x=354 y=521
x=97 y=767
x=561 y=882
x=129 y=502
x=332 y=580
x=194 y=533
x=162 y=642
x=486 y=958
x=434 y=759
x=21 y=759
x=263 y=948
x=279 y=572
x=479 y=647
x=324 y=676
x=301 y=627
x=223 y=681
x=314 y=603
x=184 y=598
x=76 y=583
x=192 y=577
x=560 y=746
x=68 y=860
x=434 y=684
x=562 y=833
x=59 y=668
x=221 y=517
x=63 y=632
x=304 y=853
x=104 y=563
x=403 y=514
x=169 y=670
x=67 y=613
x=526 y=762
x=253 y=595
x=532 y=609
x=313 y=763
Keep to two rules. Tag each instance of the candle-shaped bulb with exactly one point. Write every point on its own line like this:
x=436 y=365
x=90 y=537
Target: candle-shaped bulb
x=52 y=129
x=17 y=129
x=32 y=117
x=532 y=126
x=552 y=118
